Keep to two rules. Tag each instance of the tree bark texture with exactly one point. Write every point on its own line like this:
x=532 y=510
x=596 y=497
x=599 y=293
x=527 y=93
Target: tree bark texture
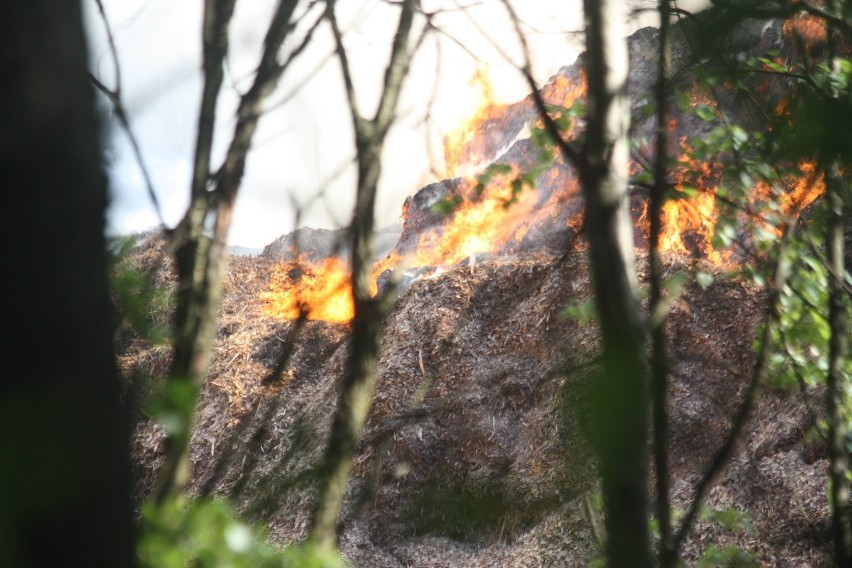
x=667 y=555
x=356 y=390
x=620 y=396
x=201 y=259
x=65 y=491
x=838 y=453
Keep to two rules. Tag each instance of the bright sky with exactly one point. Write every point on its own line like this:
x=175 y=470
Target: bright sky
x=302 y=147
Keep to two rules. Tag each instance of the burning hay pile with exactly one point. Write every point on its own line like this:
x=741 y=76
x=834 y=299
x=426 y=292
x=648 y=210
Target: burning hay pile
x=474 y=452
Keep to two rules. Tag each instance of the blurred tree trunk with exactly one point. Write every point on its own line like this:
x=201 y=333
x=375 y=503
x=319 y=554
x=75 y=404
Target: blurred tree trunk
x=836 y=387
x=202 y=258
x=356 y=390
x=65 y=492
x=659 y=360
x=840 y=491
x=620 y=395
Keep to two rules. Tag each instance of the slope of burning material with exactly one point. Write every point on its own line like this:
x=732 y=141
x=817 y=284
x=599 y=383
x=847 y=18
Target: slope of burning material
x=514 y=195
x=473 y=453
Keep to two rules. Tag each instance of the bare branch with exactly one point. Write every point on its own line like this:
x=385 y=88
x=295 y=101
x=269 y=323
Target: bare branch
x=400 y=61
x=269 y=72
x=358 y=382
x=217 y=18
x=114 y=96
x=340 y=50
x=304 y=43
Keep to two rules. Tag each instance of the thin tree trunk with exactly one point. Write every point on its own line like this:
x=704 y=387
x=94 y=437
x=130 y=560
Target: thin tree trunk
x=201 y=259
x=659 y=355
x=64 y=432
x=620 y=395
x=199 y=268
x=356 y=395
x=836 y=403
x=838 y=454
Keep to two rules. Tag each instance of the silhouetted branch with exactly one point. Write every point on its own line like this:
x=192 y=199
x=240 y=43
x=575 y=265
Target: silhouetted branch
x=115 y=97
x=356 y=390
x=659 y=363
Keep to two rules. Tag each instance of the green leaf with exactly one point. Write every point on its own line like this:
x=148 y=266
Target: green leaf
x=676 y=283
x=583 y=313
x=643 y=178
x=772 y=65
x=704 y=279
x=687 y=191
x=500 y=169
x=705 y=112
x=738 y=134
x=447 y=205
x=563 y=122
x=684 y=101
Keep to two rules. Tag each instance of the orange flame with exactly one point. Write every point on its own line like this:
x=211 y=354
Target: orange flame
x=493 y=218
x=810 y=29
x=321 y=288
x=697 y=216
x=804 y=189
x=564 y=92
x=461 y=153
x=483 y=222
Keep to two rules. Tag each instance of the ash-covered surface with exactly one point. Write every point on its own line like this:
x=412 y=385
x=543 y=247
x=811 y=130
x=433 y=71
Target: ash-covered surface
x=473 y=454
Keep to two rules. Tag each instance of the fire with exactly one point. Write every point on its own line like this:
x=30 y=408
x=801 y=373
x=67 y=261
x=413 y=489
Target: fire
x=478 y=225
x=804 y=189
x=564 y=92
x=810 y=29
x=461 y=154
x=694 y=216
x=484 y=221
x=322 y=289
x=688 y=223
x=496 y=217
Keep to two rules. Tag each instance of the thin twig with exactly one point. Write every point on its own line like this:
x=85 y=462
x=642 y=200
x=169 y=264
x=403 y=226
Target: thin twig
x=115 y=97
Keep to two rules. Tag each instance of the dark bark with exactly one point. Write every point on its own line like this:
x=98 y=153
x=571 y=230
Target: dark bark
x=838 y=455
x=65 y=491
x=201 y=259
x=840 y=491
x=620 y=398
x=356 y=391
x=667 y=555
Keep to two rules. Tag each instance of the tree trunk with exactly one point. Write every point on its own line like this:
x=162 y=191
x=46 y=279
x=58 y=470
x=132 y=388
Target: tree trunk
x=835 y=380
x=65 y=495
x=356 y=390
x=667 y=555
x=620 y=395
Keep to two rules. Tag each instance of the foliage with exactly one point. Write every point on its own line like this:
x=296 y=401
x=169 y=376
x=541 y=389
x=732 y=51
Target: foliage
x=181 y=532
x=138 y=300
x=728 y=556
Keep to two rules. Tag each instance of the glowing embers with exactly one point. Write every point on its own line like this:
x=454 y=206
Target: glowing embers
x=809 y=29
